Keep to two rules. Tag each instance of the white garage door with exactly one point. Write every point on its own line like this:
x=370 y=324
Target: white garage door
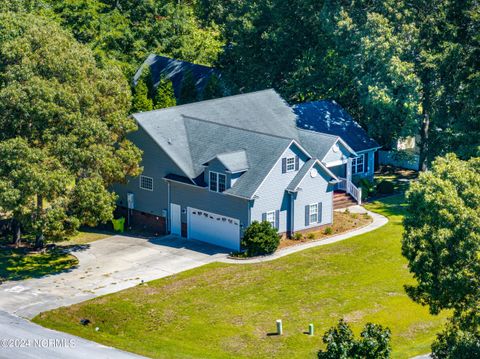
x=213 y=228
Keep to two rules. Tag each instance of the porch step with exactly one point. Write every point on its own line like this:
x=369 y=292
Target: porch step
x=342 y=200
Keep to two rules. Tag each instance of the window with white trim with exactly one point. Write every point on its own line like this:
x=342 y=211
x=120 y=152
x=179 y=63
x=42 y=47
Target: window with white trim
x=270 y=218
x=290 y=162
x=358 y=164
x=146 y=183
x=313 y=213
x=218 y=182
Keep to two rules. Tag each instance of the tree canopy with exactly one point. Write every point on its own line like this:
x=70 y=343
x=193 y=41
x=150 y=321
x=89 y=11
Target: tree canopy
x=400 y=68
x=442 y=244
x=63 y=127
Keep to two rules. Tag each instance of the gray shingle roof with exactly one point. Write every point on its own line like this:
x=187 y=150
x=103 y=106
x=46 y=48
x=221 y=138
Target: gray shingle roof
x=318 y=144
x=243 y=131
x=329 y=117
x=262 y=150
x=174 y=70
x=235 y=161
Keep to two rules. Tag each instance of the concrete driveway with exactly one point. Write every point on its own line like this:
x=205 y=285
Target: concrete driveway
x=106 y=266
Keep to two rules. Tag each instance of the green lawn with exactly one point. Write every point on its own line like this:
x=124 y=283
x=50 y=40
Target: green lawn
x=224 y=311
x=22 y=263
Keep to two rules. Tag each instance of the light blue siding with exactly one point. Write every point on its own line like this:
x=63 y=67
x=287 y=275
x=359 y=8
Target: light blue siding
x=313 y=190
x=271 y=195
x=332 y=156
x=370 y=165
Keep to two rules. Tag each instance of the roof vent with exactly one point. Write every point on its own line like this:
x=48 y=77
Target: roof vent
x=169 y=141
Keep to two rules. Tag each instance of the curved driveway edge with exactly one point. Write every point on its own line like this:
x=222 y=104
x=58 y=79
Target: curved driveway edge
x=378 y=221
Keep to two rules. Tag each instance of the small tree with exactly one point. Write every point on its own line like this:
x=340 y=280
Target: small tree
x=188 y=91
x=165 y=96
x=341 y=344
x=213 y=88
x=260 y=238
x=141 y=102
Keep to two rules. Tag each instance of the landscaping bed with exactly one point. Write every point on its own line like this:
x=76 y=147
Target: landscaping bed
x=228 y=310
x=343 y=221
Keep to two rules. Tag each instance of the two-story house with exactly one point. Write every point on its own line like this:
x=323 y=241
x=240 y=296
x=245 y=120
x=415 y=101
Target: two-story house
x=213 y=167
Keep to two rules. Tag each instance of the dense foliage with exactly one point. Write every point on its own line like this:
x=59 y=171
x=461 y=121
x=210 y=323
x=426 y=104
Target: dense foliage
x=164 y=94
x=401 y=68
x=442 y=244
x=260 y=238
x=63 y=123
x=341 y=343
x=125 y=32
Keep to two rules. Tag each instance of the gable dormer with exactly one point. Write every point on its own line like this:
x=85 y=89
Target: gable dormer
x=223 y=170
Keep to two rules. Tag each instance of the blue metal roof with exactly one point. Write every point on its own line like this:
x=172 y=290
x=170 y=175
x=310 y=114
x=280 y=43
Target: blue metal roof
x=329 y=117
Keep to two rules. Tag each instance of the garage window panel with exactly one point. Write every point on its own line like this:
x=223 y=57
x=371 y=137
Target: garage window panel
x=213 y=181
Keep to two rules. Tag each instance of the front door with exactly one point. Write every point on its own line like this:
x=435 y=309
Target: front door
x=175 y=219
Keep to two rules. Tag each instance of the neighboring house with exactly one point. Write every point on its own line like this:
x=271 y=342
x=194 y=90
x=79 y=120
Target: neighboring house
x=174 y=70
x=213 y=167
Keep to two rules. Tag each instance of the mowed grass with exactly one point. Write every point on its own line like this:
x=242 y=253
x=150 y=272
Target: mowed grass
x=23 y=263
x=225 y=311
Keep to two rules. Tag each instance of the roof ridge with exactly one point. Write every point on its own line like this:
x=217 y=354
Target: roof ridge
x=235 y=127
x=317 y=132
x=205 y=101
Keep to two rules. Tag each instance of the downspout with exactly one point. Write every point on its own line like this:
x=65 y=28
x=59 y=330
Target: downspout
x=168 y=207
x=292 y=213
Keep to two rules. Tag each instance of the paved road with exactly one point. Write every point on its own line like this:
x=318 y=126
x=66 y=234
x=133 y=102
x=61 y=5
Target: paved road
x=106 y=266
x=21 y=339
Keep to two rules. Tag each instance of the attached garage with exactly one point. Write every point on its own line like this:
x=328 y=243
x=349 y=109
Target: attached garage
x=213 y=228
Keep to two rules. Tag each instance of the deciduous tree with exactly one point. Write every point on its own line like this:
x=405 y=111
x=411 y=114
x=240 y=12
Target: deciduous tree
x=63 y=127
x=442 y=242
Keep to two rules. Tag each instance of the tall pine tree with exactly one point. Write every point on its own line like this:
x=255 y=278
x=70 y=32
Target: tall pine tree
x=164 y=97
x=141 y=102
x=213 y=88
x=188 y=92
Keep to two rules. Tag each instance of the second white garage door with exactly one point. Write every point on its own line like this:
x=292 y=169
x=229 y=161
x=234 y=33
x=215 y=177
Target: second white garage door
x=213 y=228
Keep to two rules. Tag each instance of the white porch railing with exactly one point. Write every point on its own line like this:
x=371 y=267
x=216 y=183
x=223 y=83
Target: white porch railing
x=350 y=188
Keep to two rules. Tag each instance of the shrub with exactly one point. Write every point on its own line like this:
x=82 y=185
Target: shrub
x=385 y=187
x=374 y=342
x=311 y=236
x=328 y=231
x=260 y=238
x=368 y=188
x=297 y=236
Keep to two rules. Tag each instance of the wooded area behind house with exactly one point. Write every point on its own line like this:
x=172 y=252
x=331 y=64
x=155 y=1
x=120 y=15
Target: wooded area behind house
x=400 y=68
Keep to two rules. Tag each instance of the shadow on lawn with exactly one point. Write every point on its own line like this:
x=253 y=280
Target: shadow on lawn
x=24 y=263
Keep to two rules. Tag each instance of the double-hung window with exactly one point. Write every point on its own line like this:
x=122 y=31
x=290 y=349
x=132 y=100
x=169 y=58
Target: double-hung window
x=313 y=213
x=358 y=164
x=218 y=182
x=270 y=218
x=146 y=183
x=290 y=164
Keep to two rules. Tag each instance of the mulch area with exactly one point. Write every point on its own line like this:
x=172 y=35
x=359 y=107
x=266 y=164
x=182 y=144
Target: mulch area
x=342 y=222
